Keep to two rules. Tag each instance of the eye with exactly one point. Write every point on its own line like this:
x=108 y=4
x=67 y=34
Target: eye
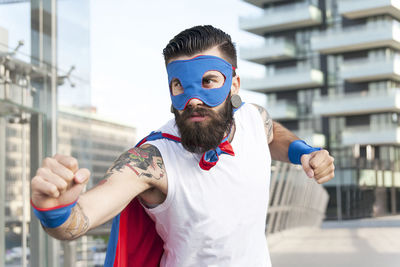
x=213 y=79
x=176 y=87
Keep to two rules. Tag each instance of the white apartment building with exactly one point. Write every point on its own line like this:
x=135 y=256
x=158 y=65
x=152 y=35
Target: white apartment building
x=332 y=75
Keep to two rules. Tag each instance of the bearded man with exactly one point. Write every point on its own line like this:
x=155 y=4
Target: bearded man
x=202 y=178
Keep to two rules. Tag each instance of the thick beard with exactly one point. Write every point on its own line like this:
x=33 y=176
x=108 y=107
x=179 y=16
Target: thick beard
x=199 y=137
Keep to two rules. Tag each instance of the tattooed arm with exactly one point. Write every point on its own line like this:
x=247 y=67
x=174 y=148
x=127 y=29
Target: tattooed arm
x=76 y=225
x=279 y=138
x=134 y=172
x=318 y=164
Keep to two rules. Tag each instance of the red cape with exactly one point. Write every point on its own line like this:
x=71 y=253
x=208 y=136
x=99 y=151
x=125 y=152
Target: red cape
x=133 y=239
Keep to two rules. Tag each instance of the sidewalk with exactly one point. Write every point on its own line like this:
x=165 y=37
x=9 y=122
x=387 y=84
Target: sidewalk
x=366 y=243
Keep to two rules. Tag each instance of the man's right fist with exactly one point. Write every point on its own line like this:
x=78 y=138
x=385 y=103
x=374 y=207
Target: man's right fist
x=58 y=182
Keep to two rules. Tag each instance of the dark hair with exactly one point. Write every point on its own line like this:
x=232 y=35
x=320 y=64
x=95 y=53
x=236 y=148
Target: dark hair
x=199 y=38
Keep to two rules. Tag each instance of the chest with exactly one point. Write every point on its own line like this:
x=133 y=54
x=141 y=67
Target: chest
x=236 y=181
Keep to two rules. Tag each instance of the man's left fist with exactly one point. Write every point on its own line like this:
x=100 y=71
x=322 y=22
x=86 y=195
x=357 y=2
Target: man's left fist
x=318 y=165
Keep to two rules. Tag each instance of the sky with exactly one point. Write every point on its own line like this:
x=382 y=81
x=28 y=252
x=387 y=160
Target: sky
x=129 y=81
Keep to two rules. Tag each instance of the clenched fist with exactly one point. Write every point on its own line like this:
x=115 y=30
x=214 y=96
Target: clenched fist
x=318 y=165
x=58 y=182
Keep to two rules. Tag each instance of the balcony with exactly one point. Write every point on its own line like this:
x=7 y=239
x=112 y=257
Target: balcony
x=294 y=79
x=360 y=103
x=279 y=50
x=370 y=70
x=371 y=135
x=282 y=110
x=282 y=18
x=371 y=35
x=260 y=3
x=364 y=8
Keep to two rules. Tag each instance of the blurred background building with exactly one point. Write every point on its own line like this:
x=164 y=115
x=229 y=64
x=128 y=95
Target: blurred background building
x=28 y=111
x=332 y=75
x=95 y=141
x=45 y=107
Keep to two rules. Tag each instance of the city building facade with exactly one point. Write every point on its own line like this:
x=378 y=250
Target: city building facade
x=28 y=81
x=332 y=76
x=39 y=60
x=93 y=140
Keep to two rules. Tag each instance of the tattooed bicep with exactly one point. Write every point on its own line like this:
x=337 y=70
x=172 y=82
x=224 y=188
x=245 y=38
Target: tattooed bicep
x=145 y=161
x=268 y=123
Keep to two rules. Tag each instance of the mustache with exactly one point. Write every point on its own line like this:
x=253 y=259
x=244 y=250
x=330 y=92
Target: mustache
x=200 y=111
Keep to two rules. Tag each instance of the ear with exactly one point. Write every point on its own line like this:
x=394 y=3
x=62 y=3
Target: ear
x=235 y=85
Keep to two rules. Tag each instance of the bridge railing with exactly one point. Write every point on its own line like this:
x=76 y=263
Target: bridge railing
x=295 y=199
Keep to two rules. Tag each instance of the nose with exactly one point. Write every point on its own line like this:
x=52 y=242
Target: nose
x=194 y=102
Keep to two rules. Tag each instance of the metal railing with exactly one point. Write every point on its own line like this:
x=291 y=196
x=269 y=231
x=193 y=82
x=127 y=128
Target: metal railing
x=295 y=200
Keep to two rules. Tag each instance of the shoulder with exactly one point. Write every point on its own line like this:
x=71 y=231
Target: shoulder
x=153 y=171
x=143 y=162
x=148 y=151
x=260 y=109
x=267 y=120
x=264 y=113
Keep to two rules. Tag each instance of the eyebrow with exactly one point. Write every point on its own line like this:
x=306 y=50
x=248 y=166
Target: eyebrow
x=208 y=76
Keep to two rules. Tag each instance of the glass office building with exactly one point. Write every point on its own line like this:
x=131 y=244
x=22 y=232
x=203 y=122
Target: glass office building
x=44 y=48
x=332 y=76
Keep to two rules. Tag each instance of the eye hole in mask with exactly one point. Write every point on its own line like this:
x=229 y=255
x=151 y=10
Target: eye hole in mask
x=212 y=79
x=176 y=87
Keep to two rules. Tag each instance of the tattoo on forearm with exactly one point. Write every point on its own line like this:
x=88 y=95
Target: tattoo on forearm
x=268 y=123
x=78 y=223
x=145 y=162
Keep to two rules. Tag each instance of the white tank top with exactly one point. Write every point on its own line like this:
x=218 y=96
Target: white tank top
x=216 y=217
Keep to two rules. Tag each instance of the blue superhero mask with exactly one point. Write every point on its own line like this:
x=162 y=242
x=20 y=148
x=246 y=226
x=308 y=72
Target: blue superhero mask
x=190 y=74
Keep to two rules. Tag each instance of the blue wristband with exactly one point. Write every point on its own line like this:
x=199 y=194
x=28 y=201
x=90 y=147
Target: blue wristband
x=298 y=148
x=53 y=217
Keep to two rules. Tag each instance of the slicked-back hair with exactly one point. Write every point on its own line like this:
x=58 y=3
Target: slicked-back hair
x=200 y=38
